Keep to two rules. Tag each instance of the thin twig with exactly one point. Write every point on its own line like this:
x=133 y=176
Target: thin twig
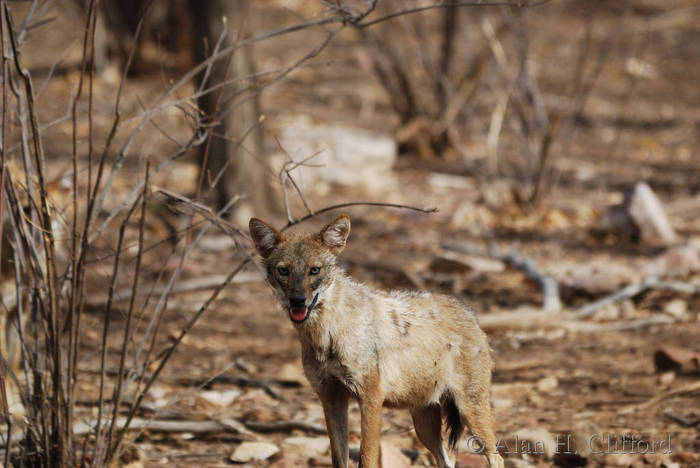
x=105 y=331
x=551 y=301
x=409 y=11
x=127 y=328
x=285 y=426
x=687 y=388
x=349 y=204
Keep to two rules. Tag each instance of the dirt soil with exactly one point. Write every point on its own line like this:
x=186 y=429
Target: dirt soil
x=242 y=359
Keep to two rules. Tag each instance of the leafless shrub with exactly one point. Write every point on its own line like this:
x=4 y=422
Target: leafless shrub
x=447 y=68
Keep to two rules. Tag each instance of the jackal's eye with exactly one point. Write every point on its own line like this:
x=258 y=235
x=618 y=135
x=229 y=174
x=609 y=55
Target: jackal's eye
x=284 y=271
x=314 y=271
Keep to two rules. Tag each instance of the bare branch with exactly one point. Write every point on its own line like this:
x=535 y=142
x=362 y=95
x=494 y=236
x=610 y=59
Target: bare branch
x=410 y=11
x=349 y=204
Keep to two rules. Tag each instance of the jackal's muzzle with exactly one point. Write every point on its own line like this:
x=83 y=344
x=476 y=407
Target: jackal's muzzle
x=298 y=309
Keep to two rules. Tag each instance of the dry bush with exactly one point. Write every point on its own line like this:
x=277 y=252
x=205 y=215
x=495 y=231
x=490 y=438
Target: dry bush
x=465 y=82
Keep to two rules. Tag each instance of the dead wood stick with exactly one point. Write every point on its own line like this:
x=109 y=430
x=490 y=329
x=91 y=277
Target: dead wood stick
x=429 y=209
x=549 y=285
x=514 y=366
x=522 y=319
x=689 y=388
x=529 y=319
x=685 y=422
x=204 y=427
x=632 y=290
x=230 y=379
x=171 y=426
x=285 y=426
x=550 y=288
x=621 y=325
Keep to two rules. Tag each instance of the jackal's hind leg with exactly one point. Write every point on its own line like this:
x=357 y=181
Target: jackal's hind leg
x=428 y=424
x=478 y=418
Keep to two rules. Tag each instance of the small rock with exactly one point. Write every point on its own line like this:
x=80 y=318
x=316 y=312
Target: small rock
x=500 y=404
x=677 y=308
x=547 y=384
x=641 y=69
x=249 y=451
x=582 y=434
x=608 y=313
x=647 y=213
x=517 y=463
x=657 y=459
x=310 y=446
x=136 y=464
x=533 y=441
x=667 y=377
x=619 y=459
x=439 y=180
x=392 y=457
x=598 y=276
x=220 y=398
x=673 y=358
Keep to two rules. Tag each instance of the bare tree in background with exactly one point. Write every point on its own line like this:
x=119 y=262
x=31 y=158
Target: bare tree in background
x=232 y=158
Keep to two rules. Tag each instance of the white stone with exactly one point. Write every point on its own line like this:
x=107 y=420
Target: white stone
x=249 y=451
x=343 y=155
x=310 y=446
x=649 y=216
x=220 y=398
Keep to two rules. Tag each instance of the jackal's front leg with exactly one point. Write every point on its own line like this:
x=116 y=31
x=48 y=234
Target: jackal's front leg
x=371 y=420
x=334 y=398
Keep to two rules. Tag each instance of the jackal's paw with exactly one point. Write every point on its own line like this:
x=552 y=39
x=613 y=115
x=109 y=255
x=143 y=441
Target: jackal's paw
x=496 y=461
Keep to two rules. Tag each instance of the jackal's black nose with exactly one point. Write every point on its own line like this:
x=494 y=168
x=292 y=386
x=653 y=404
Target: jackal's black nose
x=297 y=301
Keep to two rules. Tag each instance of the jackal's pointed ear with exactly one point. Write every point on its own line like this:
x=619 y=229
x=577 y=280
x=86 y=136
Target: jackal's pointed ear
x=265 y=237
x=336 y=233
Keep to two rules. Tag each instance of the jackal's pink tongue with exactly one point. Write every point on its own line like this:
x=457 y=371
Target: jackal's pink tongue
x=298 y=314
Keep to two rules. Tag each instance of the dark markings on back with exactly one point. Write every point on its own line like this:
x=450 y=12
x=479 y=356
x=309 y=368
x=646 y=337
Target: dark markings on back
x=406 y=326
x=401 y=325
x=395 y=318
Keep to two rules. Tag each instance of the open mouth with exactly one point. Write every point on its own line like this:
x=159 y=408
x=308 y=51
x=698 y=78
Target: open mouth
x=299 y=314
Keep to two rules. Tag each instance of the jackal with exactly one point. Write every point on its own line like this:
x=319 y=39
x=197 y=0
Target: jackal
x=412 y=350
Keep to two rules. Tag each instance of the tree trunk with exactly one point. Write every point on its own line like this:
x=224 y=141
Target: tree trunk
x=233 y=159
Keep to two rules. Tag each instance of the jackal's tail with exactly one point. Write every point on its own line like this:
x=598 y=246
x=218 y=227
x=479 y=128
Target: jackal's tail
x=453 y=418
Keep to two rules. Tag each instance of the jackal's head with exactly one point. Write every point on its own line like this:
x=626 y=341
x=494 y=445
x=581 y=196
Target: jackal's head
x=300 y=267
